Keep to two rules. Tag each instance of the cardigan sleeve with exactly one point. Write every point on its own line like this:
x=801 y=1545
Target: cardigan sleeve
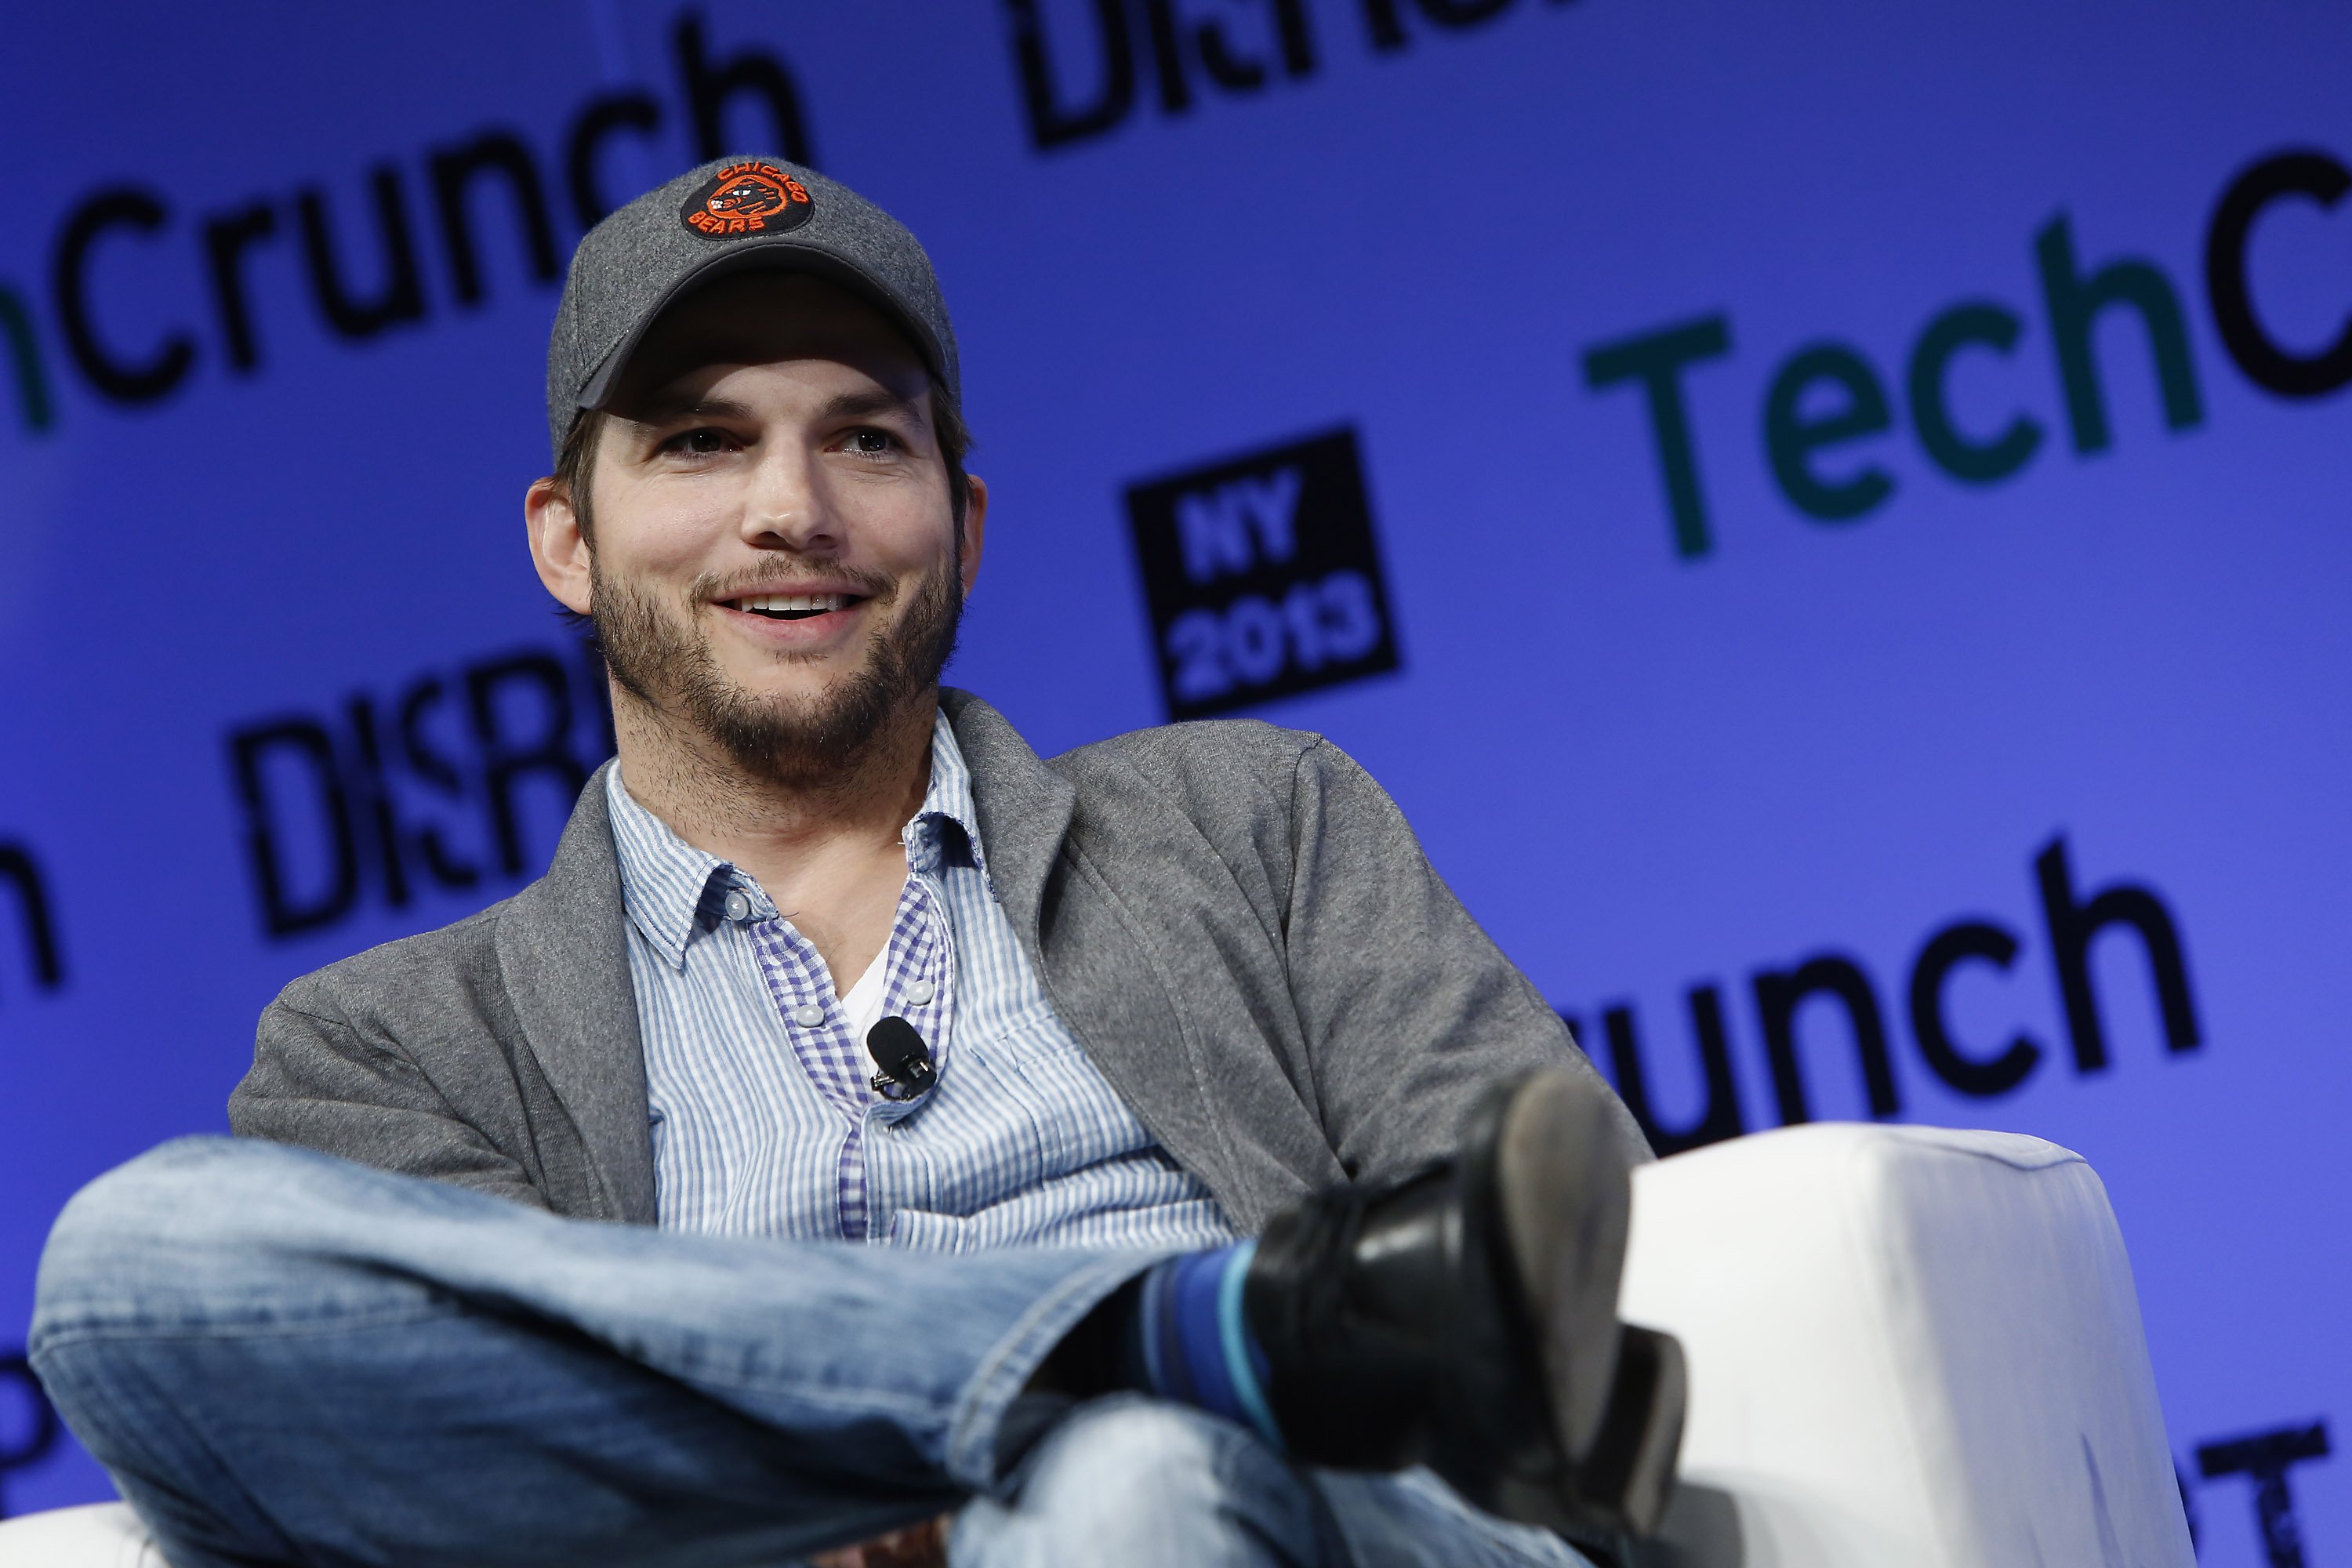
x=1410 y=1011
x=321 y=1081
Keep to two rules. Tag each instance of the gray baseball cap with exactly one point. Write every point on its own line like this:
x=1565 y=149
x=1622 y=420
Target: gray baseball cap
x=730 y=215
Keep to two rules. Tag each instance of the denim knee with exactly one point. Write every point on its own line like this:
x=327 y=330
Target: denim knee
x=171 y=1237
x=1139 y=1481
x=115 y=1228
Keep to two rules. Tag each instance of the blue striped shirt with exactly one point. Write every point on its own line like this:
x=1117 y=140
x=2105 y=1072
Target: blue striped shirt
x=764 y=1122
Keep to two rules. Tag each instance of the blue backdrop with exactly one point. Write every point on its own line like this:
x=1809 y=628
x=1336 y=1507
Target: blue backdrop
x=1853 y=499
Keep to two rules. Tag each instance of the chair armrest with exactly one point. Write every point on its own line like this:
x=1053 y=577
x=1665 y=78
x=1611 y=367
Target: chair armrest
x=100 y=1535
x=1906 y=1345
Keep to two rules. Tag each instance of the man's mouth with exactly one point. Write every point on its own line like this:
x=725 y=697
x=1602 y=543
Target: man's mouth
x=793 y=606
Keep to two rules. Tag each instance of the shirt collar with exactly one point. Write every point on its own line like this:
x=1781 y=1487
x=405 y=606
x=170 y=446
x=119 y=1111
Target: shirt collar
x=948 y=802
x=674 y=892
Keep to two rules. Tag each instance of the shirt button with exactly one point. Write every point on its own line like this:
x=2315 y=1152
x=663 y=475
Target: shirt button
x=808 y=1015
x=739 y=905
x=920 y=992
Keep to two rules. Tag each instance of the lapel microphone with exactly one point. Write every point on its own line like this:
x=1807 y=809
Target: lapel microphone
x=905 y=1060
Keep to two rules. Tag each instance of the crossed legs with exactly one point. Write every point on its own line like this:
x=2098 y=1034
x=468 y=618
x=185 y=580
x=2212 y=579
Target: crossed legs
x=283 y=1357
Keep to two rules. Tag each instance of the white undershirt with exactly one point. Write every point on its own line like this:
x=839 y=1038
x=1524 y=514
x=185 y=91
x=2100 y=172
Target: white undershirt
x=864 y=1003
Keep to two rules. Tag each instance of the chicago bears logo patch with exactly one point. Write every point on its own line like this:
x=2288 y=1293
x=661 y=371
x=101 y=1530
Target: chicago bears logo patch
x=747 y=199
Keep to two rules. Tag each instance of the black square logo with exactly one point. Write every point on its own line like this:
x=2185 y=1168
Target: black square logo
x=1262 y=576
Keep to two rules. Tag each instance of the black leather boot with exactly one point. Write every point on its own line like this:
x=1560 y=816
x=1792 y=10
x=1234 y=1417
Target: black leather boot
x=1465 y=1318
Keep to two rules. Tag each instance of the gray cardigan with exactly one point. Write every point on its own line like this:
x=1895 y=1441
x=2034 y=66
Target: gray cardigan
x=1232 y=918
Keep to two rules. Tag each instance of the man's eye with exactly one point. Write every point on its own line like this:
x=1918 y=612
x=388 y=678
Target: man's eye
x=871 y=442
x=703 y=443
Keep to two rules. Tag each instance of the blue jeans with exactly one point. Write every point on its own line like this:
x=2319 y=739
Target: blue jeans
x=285 y=1357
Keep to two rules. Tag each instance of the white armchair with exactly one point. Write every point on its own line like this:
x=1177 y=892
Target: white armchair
x=100 y=1535
x=1907 y=1346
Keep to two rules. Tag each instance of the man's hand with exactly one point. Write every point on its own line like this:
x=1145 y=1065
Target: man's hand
x=923 y=1545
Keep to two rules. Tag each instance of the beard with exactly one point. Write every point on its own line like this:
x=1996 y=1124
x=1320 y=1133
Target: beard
x=657 y=653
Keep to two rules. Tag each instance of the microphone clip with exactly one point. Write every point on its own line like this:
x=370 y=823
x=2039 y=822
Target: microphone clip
x=905 y=1061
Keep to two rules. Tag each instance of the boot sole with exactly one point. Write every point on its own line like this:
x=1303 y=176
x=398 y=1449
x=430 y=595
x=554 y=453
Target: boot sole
x=1630 y=1475
x=1562 y=1187
x=1565 y=1193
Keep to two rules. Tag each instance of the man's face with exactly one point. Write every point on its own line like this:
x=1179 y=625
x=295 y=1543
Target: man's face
x=776 y=560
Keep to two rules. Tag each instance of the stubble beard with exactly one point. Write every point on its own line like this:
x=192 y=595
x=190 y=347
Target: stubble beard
x=658 y=654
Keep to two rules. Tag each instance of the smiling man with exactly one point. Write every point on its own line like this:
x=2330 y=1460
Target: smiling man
x=1133 y=1157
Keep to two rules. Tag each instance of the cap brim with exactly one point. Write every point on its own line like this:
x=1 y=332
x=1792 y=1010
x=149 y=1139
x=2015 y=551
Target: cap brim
x=779 y=255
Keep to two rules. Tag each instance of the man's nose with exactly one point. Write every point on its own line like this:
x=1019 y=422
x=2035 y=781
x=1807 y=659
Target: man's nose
x=785 y=506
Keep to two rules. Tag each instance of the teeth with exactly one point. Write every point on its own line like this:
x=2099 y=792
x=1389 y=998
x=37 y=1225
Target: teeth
x=802 y=602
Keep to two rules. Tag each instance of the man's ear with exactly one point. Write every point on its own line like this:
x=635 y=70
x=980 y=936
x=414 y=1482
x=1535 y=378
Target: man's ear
x=975 y=529
x=558 y=547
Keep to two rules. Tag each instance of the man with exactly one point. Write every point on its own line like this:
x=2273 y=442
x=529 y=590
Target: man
x=1139 y=1157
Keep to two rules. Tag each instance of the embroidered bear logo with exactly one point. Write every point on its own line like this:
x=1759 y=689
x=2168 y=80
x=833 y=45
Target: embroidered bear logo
x=747 y=199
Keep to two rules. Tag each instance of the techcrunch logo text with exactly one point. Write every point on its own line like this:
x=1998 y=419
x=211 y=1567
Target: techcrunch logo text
x=2264 y=1461
x=359 y=251
x=35 y=927
x=30 y=1431
x=1826 y=405
x=1836 y=988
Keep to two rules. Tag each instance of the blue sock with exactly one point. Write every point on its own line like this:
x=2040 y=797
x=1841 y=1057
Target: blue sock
x=1190 y=1343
